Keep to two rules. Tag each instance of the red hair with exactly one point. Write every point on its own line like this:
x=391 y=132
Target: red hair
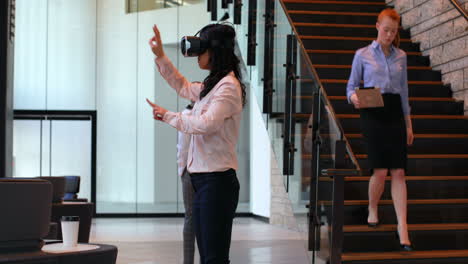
x=393 y=15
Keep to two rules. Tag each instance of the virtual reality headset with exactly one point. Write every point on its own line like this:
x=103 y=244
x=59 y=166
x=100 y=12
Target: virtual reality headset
x=192 y=46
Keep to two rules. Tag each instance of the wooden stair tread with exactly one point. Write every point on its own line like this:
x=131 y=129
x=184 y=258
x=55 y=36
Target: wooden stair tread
x=343 y=116
x=346 y=81
x=415 y=53
x=340 y=66
x=410 y=156
x=426 y=156
x=404 y=255
x=411 y=227
x=307 y=24
x=334 y=2
x=337 y=13
x=302 y=115
x=345 y=38
x=412 y=116
x=424 y=99
x=419 y=99
x=409 y=82
x=416 y=99
x=419 y=135
x=408 y=178
x=435 y=136
x=410 y=201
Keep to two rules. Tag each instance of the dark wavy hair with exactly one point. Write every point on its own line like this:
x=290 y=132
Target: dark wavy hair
x=221 y=39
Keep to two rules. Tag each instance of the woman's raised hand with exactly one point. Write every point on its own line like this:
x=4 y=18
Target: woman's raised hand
x=158 y=112
x=156 y=43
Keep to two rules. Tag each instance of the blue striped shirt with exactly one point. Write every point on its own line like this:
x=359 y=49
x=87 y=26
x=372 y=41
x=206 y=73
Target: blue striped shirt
x=376 y=70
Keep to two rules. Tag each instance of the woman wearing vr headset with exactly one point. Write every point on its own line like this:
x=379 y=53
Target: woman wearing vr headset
x=214 y=126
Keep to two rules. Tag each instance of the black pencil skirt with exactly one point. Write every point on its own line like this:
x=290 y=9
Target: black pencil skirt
x=384 y=131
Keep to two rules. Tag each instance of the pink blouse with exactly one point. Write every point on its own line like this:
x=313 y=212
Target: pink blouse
x=183 y=142
x=213 y=123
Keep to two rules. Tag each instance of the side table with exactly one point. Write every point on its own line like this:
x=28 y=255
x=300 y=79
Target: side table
x=82 y=209
x=105 y=254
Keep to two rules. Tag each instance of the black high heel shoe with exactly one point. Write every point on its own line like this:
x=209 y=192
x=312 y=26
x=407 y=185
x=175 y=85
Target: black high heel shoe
x=372 y=224
x=403 y=247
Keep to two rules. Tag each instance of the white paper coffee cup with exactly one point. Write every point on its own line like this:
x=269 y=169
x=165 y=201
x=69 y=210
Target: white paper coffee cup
x=70 y=227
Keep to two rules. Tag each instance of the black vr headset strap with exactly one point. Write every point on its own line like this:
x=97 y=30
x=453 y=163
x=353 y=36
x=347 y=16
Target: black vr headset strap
x=217 y=43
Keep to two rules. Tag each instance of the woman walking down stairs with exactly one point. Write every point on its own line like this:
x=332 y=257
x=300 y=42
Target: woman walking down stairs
x=437 y=180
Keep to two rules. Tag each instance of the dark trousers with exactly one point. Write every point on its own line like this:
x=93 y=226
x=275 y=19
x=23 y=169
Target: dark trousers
x=214 y=206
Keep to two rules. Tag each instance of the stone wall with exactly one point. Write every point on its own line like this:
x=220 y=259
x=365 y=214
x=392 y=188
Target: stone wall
x=281 y=209
x=443 y=35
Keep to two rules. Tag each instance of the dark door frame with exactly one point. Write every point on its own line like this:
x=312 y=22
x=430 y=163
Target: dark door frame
x=6 y=85
x=69 y=115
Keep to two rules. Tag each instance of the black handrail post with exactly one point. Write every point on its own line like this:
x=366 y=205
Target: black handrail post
x=252 y=33
x=287 y=111
x=214 y=10
x=294 y=78
x=237 y=12
x=336 y=241
x=290 y=105
x=268 y=56
x=314 y=221
x=287 y=114
x=287 y=144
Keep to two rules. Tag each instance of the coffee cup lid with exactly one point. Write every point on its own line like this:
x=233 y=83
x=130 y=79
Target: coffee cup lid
x=70 y=218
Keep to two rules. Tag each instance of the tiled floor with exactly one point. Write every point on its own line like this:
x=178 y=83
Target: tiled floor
x=159 y=241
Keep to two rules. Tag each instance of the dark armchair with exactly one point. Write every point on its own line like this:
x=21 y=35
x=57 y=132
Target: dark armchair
x=65 y=202
x=25 y=213
x=72 y=188
x=25 y=209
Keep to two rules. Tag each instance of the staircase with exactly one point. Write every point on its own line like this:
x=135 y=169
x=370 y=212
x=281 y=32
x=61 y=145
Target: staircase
x=437 y=179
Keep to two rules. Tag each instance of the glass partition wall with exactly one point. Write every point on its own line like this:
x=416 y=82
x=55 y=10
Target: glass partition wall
x=93 y=55
x=307 y=140
x=56 y=143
